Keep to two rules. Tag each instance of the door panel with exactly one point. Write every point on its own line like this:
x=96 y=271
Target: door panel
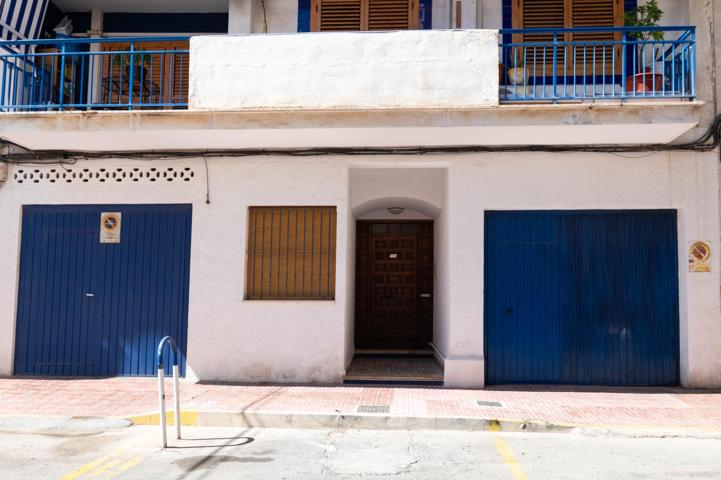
x=90 y=308
x=394 y=266
x=581 y=297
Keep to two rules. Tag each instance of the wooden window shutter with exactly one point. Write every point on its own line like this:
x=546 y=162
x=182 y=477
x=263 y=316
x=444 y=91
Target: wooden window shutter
x=291 y=253
x=356 y=15
x=167 y=73
x=595 y=13
x=336 y=15
x=392 y=14
x=540 y=14
x=568 y=14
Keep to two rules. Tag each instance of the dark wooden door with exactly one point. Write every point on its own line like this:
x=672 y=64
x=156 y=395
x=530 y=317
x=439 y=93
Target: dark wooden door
x=394 y=285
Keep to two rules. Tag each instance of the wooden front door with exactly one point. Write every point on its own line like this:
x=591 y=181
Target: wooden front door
x=394 y=285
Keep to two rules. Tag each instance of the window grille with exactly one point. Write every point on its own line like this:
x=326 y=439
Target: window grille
x=291 y=253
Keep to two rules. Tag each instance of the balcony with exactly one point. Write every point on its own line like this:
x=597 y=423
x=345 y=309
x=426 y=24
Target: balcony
x=348 y=89
x=94 y=74
x=536 y=65
x=592 y=63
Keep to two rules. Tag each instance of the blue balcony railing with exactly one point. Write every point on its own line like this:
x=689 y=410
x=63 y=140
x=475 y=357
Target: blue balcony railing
x=105 y=73
x=548 y=64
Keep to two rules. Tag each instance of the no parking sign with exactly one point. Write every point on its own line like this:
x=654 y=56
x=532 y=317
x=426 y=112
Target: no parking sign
x=110 y=225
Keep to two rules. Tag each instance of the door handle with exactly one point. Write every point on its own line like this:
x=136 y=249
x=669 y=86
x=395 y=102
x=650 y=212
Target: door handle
x=90 y=295
x=425 y=295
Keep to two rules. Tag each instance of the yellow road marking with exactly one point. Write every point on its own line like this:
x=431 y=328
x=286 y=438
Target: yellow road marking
x=88 y=467
x=506 y=453
x=104 y=468
x=509 y=459
x=124 y=467
x=188 y=418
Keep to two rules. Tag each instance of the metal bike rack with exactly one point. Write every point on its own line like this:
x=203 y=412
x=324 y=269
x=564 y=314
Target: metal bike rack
x=161 y=386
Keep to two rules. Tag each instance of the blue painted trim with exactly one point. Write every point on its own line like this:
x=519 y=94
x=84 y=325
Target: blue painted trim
x=196 y=22
x=303 y=15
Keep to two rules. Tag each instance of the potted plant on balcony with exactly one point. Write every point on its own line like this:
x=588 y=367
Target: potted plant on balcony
x=647 y=15
x=139 y=66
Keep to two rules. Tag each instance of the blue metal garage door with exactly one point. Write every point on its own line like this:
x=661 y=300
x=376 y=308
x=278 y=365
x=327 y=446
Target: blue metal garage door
x=90 y=308
x=581 y=297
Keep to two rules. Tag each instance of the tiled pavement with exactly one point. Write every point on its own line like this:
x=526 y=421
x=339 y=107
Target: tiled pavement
x=119 y=397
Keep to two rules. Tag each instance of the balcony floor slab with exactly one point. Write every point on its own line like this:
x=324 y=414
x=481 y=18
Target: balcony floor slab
x=648 y=122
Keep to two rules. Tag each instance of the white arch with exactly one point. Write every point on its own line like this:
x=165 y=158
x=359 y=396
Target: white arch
x=409 y=203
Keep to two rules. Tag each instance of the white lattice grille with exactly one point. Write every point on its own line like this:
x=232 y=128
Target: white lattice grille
x=58 y=174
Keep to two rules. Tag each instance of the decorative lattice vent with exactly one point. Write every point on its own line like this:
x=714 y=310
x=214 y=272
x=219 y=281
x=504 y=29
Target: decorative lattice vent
x=103 y=175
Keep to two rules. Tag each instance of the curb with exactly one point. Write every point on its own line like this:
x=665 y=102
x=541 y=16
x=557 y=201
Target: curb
x=356 y=421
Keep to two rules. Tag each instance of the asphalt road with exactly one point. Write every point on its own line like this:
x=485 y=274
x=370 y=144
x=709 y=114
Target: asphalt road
x=38 y=449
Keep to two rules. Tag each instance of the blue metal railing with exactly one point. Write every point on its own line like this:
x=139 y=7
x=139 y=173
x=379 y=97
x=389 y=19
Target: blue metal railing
x=94 y=73
x=551 y=64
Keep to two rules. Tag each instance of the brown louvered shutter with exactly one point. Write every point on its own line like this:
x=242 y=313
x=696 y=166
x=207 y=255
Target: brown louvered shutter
x=595 y=13
x=539 y=14
x=336 y=15
x=291 y=253
x=355 y=15
x=567 y=14
x=166 y=74
x=393 y=15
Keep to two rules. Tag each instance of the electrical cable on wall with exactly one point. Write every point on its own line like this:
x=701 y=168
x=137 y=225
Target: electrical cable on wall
x=207 y=181
x=265 y=18
x=709 y=141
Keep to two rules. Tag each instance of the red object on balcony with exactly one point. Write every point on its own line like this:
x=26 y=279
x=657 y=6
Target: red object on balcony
x=646 y=82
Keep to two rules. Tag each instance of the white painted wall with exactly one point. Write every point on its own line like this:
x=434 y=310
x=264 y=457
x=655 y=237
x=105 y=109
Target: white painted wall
x=684 y=181
x=234 y=339
x=281 y=16
x=240 y=15
x=229 y=338
x=410 y=69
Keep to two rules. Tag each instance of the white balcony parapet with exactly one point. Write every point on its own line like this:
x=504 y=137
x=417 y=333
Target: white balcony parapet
x=345 y=71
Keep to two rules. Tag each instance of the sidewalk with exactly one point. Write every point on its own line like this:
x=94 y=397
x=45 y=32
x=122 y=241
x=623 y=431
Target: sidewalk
x=677 y=411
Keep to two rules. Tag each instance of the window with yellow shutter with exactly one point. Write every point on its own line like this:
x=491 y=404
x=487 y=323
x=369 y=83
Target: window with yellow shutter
x=364 y=15
x=291 y=253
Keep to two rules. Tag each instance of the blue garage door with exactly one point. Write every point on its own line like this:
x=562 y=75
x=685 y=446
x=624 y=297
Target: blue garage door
x=581 y=297
x=93 y=309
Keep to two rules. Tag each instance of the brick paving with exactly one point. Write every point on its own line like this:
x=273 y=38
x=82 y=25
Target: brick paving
x=671 y=408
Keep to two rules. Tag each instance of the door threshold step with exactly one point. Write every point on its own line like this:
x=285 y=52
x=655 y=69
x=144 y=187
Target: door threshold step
x=394 y=378
x=393 y=354
x=393 y=381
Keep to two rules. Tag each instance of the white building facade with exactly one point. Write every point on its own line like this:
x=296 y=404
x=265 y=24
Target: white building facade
x=314 y=196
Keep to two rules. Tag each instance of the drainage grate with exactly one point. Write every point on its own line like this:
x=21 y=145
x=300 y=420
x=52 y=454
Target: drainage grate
x=483 y=403
x=374 y=409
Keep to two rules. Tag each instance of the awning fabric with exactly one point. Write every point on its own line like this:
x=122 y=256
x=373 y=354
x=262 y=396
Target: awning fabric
x=21 y=19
